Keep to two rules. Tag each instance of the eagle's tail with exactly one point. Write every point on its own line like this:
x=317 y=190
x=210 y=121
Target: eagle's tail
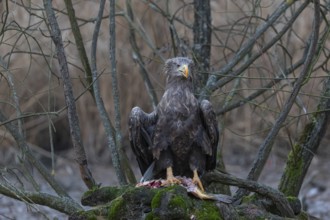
x=148 y=175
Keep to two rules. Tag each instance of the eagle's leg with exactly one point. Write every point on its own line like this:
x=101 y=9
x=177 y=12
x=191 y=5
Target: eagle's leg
x=197 y=181
x=170 y=179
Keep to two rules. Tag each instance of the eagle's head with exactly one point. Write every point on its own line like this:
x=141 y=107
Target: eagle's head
x=179 y=68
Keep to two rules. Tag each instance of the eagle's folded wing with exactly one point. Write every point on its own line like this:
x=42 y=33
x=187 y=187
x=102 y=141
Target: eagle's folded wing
x=140 y=134
x=211 y=126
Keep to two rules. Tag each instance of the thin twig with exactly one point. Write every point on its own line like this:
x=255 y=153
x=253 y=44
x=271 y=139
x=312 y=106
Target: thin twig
x=20 y=140
x=221 y=82
x=244 y=50
x=139 y=29
x=256 y=94
x=138 y=57
x=80 y=44
x=109 y=129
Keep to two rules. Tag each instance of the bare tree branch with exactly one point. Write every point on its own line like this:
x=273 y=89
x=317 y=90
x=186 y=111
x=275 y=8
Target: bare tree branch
x=14 y=95
x=79 y=42
x=229 y=77
x=115 y=90
x=61 y=204
x=138 y=57
x=17 y=132
x=260 y=91
x=276 y=196
x=266 y=146
x=303 y=151
x=212 y=82
x=69 y=98
x=20 y=140
x=109 y=129
x=144 y=36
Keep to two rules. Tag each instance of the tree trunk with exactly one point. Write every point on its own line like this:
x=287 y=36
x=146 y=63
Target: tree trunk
x=202 y=40
x=304 y=150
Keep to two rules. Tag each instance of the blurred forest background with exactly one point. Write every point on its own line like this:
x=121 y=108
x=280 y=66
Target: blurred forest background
x=147 y=33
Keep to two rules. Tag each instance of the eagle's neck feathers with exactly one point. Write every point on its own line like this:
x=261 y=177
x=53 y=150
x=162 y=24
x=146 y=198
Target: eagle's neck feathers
x=178 y=99
x=180 y=83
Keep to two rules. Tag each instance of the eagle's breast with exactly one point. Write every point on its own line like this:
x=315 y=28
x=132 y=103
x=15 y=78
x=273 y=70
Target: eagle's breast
x=181 y=110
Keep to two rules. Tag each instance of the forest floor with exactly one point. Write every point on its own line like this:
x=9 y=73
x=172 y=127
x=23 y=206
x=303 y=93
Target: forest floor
x=315 y=193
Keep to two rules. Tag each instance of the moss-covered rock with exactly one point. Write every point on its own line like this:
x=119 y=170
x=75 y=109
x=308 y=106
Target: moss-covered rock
x=207 y=210
x=117 y=208
x=171 y=203
x=99 y=196
x=130 y=202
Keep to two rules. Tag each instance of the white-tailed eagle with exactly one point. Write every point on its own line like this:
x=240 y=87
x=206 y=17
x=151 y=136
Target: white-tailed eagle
x=180 y=137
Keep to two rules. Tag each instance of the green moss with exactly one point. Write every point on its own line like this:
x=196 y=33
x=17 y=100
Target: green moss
x=170 y=203
x=295 y=204
x=98 y=196
x=156 y=200
x=89 y=215
x=293 y=172
x=140 y=194
x=177 y=201
x=89 y=192
x=179 y=205
x=208 y=211
x=302 y=216
x=117 y=206
x=292 y=198
x=249 y=199
x=151 y=216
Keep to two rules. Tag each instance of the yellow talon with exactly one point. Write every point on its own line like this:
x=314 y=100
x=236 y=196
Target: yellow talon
x=170 y=179
x=197 y=181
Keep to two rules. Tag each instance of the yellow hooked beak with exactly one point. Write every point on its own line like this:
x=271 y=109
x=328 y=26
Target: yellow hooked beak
x=184 y=70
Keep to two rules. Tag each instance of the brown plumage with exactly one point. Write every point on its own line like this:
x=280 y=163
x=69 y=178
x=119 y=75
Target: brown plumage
x=181 y=135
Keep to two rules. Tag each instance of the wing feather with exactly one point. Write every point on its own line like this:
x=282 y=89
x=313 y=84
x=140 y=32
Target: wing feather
x=211 y=126
x=141 y=126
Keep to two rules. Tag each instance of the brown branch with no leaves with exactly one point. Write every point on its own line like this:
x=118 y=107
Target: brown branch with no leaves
x=79 y=150
x=108 y=127
x=277 y=197
x=266 y=146
x=213 y=81
x=259 y=92
x=138 y=57
x=302 y=153
x=62 y=204
x=14 y=131
x=139 y=29
x=232 y=75
x=80 y=44
x=115 y=90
